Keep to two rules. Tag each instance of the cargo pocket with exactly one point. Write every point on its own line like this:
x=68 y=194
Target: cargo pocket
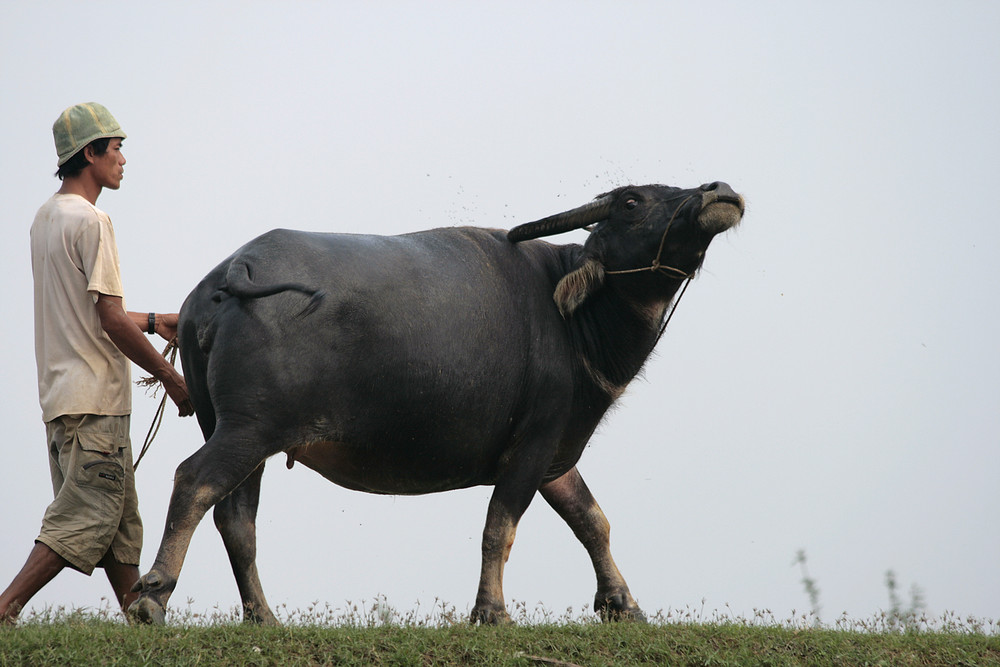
x=101 y=464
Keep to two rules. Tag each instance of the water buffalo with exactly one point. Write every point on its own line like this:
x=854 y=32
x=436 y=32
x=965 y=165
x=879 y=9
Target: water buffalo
x=426 y=362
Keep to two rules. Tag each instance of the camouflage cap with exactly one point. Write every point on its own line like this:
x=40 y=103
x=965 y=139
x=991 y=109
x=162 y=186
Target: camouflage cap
x=78 y=125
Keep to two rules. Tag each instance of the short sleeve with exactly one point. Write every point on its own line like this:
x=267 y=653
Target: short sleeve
x=99 y=255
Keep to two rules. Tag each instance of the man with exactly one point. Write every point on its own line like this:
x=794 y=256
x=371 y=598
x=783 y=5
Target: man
x=84 y=339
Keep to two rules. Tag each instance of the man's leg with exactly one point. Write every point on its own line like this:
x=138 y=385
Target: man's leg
x=122 y=578
x=42 y=566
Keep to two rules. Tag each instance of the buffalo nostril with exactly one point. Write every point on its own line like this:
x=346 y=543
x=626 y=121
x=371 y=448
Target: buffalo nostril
x=708 y=187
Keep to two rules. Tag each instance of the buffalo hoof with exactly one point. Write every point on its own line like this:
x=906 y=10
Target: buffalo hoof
x=147 y=612
x=623 y=615
x=259 y=616
x=617 y=609
x=490 y=616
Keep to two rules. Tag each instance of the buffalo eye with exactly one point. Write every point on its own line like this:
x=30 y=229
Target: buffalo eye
x=631 y=204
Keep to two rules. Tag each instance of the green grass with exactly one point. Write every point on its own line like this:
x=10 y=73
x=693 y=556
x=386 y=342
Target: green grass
x=378 y=635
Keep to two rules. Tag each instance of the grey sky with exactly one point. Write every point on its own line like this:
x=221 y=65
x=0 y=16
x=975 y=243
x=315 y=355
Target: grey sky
x=829 y=383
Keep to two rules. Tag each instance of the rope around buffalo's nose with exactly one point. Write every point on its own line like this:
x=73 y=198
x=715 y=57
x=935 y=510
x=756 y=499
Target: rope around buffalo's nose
x=154 y=428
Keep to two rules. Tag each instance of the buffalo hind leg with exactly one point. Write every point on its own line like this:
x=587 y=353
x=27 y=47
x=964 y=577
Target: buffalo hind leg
x=569 y=496
x=236 y=519
x=201 y=481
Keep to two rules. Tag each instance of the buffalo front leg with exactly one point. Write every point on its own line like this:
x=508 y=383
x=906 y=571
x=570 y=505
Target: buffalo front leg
x=569 y=496
x=201 y=481
x=511 y=498
x=236 y=519
x=498 y=538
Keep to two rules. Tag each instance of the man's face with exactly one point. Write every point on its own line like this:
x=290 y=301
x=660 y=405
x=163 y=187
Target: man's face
x=109 y=168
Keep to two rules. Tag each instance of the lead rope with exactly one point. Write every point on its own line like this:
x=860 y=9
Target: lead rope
x=154 y=428
x=673 y=309
x=656 y=266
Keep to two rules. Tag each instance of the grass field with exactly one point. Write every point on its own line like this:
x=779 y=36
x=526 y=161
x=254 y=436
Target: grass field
x=378 y=635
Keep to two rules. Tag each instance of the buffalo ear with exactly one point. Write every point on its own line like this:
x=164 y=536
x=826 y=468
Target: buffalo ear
x=577 y=285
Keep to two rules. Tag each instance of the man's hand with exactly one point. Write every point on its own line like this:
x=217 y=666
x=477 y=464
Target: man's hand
x=166 y=326
x=177 y=391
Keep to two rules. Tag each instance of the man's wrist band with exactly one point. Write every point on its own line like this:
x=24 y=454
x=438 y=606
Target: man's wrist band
x=151 y=329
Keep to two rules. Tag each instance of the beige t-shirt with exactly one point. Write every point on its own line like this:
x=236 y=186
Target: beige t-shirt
x=73 y=259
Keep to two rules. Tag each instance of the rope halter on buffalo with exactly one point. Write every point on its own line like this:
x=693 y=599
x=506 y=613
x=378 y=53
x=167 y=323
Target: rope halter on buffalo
x=147 y=382
x=669 y=270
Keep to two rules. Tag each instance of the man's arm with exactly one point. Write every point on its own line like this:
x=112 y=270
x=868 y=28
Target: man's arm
x=128 y=337
x=165 y=324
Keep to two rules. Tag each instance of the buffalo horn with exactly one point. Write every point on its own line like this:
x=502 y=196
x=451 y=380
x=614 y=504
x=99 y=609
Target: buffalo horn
x=588 y=214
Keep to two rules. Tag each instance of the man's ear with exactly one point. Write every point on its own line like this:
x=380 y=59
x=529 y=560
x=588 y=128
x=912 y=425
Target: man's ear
x=577 y=285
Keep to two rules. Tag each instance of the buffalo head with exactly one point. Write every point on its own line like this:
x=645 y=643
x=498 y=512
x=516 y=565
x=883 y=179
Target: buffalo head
x=655 y=233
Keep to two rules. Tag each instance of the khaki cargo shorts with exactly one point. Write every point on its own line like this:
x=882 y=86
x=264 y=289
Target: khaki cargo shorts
x=96 y=510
